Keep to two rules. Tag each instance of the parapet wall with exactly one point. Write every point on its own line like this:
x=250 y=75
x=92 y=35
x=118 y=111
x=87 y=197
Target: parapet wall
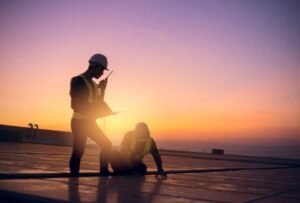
x=34 y=135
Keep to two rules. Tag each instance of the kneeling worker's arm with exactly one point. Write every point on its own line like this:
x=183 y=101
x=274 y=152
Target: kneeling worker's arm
x=156 y=157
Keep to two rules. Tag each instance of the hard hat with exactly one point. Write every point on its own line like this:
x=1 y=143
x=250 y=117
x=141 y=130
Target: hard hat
x=141 y=131
x=99 y=58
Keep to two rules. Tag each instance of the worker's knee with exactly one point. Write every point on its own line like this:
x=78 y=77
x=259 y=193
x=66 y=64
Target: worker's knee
x=78 y=153
x=107 y=146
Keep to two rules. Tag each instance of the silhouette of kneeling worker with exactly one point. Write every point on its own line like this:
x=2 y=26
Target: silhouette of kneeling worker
x=135 y=145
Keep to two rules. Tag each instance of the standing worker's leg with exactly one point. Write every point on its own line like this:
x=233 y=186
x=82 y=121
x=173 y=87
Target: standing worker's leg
x=99 y=137
x=79 y=141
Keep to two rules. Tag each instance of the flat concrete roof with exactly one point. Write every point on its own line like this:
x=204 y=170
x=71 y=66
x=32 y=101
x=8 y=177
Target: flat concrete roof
x=37 y=173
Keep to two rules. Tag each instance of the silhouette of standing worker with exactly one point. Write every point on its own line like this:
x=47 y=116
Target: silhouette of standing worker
x=88 y=105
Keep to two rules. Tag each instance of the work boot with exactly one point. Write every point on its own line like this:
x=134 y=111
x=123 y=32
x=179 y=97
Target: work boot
x=104 y=160
x=74 y=174
x=74 y=165
x=104 y=172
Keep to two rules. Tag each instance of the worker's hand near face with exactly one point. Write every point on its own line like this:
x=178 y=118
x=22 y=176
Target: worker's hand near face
x=102 y=85
x=161 y=174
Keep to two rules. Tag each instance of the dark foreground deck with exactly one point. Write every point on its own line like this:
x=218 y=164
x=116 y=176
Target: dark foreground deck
x=38 y=173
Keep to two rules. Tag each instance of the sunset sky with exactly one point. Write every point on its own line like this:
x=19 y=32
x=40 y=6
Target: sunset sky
x=192 y=70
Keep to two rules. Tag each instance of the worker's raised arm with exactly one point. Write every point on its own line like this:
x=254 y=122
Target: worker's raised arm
x=102 y=86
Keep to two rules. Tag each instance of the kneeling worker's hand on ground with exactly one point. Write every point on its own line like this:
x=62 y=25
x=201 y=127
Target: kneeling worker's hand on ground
x=161 y=173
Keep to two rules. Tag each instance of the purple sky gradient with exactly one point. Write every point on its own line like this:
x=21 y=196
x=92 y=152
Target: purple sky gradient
x=215 y=60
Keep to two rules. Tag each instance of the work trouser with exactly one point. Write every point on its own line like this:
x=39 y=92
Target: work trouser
x=82 y=129
x=138 y=166
x=121 y=164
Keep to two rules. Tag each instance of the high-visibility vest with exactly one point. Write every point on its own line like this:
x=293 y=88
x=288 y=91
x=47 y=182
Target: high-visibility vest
x=93 y=97
x=134 y=142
